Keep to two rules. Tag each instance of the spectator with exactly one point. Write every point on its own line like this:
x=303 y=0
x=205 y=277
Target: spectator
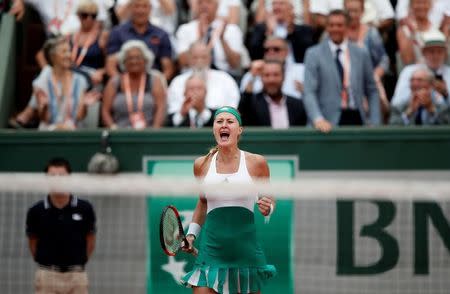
x=221 y=89
x=163 y=13
x=334 y=94
x=435 y=14
x=368 y=37
x=271 y=107
x=138 y=27
x=281 y=24
x=425 y=106
x=435 y=53
x=89 y=43
x=59 y=95
x=61 y=234
x=275 y=48
x=410 y=33
x=193 y=112
x=137 y=98
x=224 y=40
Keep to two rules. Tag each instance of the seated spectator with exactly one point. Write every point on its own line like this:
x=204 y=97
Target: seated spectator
x=89 y=43
x=225 y=41
x=435 y=14
x=368 y=37
x=410 y=32
x=221 y=89
x=425 y=106
x=163 y=13
x=137 y=98
x=138 y=27
x=334 y=94
x=275 y=48
x=435 y=53
x=193 y=112
x=281 y=24
x=271 y=107
x=60 y=93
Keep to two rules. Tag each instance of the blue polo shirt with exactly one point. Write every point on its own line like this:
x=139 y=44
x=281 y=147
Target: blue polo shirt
x=156 y=39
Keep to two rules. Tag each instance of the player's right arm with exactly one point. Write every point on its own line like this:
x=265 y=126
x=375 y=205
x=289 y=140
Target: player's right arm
x=198 y=219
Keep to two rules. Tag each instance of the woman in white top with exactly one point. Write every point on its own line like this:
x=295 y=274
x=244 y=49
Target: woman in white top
x=230 y=258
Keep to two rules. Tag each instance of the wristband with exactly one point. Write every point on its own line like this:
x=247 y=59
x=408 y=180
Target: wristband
x=194 y=229
x=267 y=217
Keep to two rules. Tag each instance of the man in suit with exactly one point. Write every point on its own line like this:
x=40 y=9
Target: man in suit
x=271 y=107
x=338 y=75
x=193 y=112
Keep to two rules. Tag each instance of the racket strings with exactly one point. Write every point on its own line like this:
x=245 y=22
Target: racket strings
x=171 y=232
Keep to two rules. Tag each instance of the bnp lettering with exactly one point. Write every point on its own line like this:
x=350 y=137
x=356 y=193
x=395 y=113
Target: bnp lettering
x=425 y=215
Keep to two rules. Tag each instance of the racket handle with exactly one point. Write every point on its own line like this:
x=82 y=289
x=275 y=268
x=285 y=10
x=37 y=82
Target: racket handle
x=194 y=251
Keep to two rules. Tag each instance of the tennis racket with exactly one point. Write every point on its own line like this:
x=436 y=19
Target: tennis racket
x=171 y=233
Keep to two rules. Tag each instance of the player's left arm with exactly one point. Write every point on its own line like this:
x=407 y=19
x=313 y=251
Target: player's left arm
x=260 y=170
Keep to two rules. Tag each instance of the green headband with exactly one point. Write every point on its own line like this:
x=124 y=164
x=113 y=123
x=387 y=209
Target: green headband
x=229 y=110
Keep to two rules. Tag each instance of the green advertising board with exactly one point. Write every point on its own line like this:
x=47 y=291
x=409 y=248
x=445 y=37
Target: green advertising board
x=164 y=272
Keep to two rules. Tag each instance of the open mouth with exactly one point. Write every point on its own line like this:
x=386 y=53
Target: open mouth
x=224 y=135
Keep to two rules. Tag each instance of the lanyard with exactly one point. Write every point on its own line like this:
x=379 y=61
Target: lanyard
x=59 y=98
x=141 y=93
x=87 y=43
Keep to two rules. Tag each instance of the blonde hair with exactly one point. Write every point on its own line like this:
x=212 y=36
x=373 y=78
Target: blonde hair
x=87 y=5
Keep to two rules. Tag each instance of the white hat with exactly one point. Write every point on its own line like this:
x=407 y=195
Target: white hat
x=434 y=38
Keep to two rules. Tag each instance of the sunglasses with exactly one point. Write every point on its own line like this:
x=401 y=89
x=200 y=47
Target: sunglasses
x=274 y=49
x=85 y=15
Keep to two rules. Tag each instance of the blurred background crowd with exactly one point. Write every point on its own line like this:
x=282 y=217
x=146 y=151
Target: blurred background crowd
x=283 y=63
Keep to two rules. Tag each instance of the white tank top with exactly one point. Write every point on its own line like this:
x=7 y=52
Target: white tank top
x=241 y=176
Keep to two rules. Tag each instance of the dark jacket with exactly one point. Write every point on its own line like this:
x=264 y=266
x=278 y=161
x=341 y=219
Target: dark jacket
x=255 y=110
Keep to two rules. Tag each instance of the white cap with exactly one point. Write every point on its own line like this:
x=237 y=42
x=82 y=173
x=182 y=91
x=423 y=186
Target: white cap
x=434 y=38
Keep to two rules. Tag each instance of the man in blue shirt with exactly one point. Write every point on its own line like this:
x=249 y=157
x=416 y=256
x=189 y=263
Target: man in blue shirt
x=138 y=27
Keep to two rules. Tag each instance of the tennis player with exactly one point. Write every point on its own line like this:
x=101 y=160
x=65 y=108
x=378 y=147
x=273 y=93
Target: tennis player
x=230 y=258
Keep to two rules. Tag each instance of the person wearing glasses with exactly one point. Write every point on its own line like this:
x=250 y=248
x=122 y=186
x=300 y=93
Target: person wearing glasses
x=89 y=43
x=275 y=48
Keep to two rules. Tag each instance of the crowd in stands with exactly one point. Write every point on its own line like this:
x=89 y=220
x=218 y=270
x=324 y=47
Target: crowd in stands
x=283 y=63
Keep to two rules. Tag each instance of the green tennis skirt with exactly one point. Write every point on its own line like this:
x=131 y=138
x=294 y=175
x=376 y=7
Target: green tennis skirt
x=230 y=258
